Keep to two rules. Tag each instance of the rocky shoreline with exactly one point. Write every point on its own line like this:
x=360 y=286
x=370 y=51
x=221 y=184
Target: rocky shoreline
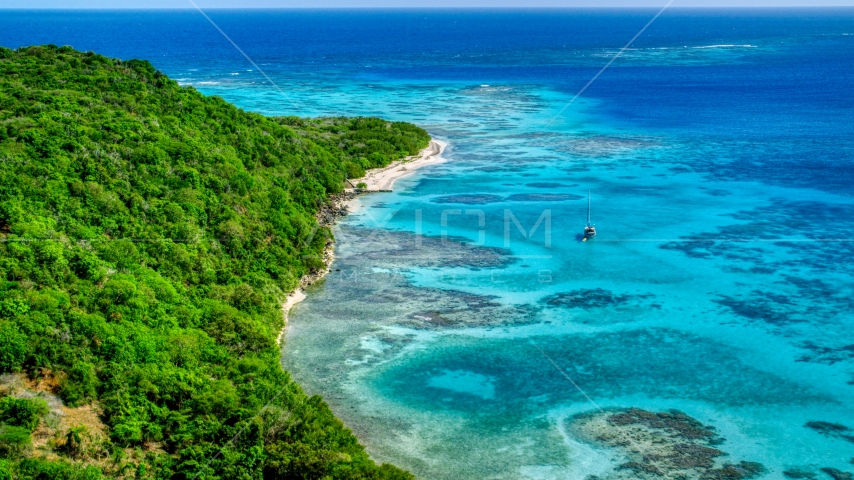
x=328 y=216
x=341 y=205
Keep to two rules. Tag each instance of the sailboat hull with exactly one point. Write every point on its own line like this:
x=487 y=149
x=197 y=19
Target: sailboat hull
x=589 y=230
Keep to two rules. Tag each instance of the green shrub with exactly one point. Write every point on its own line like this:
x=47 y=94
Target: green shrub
x=37 y=469
x=22 y=412
x=14 y=441
x=80 y=385
x=73 y=446
x=5 y=470
x=13 y=347
x=354 y=170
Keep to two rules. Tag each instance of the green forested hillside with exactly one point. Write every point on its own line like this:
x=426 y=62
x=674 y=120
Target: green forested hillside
x=148 y=235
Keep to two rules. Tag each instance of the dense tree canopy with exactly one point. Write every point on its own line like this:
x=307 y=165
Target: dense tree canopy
x=148 y=235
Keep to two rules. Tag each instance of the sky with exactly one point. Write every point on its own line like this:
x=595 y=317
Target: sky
x=410 y=3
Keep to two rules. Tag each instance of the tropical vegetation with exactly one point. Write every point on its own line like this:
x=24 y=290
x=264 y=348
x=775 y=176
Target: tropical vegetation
x=148 y=237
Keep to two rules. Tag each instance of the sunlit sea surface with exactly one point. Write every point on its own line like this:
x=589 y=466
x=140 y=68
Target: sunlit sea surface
x=718 y=153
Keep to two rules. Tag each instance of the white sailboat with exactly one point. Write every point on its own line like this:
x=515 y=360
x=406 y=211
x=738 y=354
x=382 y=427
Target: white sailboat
x=589 y=229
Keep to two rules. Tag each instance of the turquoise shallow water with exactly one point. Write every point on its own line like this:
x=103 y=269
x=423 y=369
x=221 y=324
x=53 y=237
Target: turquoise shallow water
x=701 y=293
x=718 y=153
x=707 y=291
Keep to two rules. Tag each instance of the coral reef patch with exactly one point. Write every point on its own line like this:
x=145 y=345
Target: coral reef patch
x=483 y=199
x=837 y=474
x=391 y=249
x=799 y=473
x=473 y=199
x=832 y=430
x=543 y=197
x=549 y=185
x=826 y=355
x=661 y=445
x=591 y=298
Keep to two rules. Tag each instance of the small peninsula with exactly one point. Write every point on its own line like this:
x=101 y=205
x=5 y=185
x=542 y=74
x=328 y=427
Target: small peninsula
x=149 y=237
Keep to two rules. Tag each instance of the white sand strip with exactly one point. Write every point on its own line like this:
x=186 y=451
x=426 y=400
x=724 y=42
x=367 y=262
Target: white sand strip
x=383 y=178
x=293 y=298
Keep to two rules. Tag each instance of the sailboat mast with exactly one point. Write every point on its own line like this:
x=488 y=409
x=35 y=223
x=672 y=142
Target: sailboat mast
x=588 y=207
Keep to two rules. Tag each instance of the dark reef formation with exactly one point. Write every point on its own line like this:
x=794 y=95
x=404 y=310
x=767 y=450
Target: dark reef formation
x=798 y=473
x=591 y=298
x=549 y=185
x=473 y=199
x=376 y=275
x=404 y=250
x=833 y=473
x=837 y=474
x=543 y=197
x=832 y=430
x=661 y=445
x=484 y=198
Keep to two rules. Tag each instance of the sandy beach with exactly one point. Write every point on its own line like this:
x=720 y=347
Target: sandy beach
x=384 y=178
x=293 y=298
x=377 y=179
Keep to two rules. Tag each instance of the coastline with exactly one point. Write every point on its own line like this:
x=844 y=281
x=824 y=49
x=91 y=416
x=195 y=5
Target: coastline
x=382 y=179
x=377 y=180
x=294 y=298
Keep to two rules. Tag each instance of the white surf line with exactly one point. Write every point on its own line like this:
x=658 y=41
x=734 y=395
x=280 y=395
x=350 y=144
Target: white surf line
x=612 y=59
x=299 y=109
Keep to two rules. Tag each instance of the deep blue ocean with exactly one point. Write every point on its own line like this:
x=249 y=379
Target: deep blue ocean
x=456 y=339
